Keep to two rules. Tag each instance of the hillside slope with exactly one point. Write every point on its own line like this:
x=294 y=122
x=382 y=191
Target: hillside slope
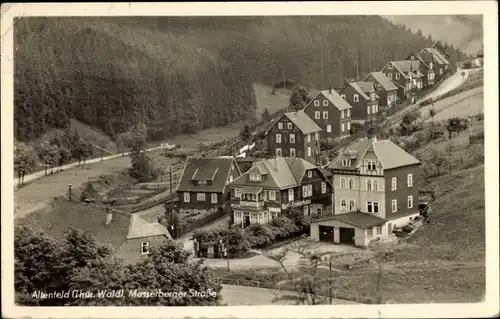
x=183 y=74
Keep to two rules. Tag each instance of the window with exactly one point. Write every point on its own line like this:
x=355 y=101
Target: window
x=278 y=152
x=379 y=230
x=309 y=151
x=280 y=125
x=323 y=187
x=144 y=248
x=342 y=127
x=351 y=183
x=342 y=114
x=441 y=71
x=278 y=138
x=317 y=115
x=292 y=138
x=187 y=197
x=369 y=185
x=304 y=191
x=348 y=126
x=214 y=198
x=255 y=177
x=375 y=207
x=343 y=96
x=374 y=108
x=309 y=174
x=343 y=204
x=292 y=152
x=355 y=98
x=316 y=136
x=325 y=115
x=372 y=207
x=202 y=182
x=348 y=113
x=200 y=197
x=342 y=182
x=389 y=75
x=373 y=96
x=394 y=205
x=412 y=57
x=410 y=201
x=409 y=179
x=430 y=65
x=316 y=103
x=375 y=185
x=394 y=184
x=389 y=66
x=289 y=126
x=325 y=102
x=231 y=178
x=272 y=195
x=371 y=165
x=367 y=110
x=328 y=128
x=352 y=204
x=290 y=194
x=397 y=76
x=346 y=162
x=308 y=138
x=237 y=192
x=379 y=87
x=369 y=232
x=307 y=190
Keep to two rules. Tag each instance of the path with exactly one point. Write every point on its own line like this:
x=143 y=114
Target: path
x=234 y=295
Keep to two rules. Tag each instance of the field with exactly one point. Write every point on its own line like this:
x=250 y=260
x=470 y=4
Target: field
x=463 y=105
x=273 y=102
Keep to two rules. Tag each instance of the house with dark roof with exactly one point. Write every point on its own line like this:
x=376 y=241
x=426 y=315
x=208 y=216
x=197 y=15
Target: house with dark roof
x=363 y=99
x=441 y=63
x=374 y=191
x=331 y=112
x=385 y=88
x=426 y=66
x=273 y=186
x=294 y=134
x=441 y=50
x=129 y=236
x=406 y=75
x=202 y=186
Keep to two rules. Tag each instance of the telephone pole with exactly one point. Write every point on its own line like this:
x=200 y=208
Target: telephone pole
x=321 y=57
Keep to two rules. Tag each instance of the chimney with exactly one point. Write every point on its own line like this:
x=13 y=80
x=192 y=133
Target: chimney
x=331 y=89
x=109 y=216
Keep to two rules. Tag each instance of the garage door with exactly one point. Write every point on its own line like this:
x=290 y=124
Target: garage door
x=326 y=233
x=346 y=235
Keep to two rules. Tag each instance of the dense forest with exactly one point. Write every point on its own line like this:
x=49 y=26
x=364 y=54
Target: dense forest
x=179 y=74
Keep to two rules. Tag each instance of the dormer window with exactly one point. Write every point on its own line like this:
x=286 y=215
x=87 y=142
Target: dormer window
x=346 y=162
x=371 y=166
x=202 y=182
x=255 y=177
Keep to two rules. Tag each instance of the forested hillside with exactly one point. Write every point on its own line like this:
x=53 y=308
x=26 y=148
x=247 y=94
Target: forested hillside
x=181 y=74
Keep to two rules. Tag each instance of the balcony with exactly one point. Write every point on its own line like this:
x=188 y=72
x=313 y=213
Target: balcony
x=253 y=204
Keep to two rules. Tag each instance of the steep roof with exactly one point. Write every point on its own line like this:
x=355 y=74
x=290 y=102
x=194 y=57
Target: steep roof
x=279 y=173
x=407 y=66
x=386 y=83
x=215 y=169
x=334 y=98
x=92 y=219
x=389 y=154
x=441 y=59
x=440 y=49
x=423 y=59
x=356 y=86
x=367 y=87
x=303 y=122
x=359 y=219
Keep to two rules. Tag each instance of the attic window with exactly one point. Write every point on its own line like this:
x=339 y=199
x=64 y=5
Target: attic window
x=379 y=87
x=144 y=248
x=309 y=174
x=412 y=57
x=202 y=182
x=289 y=126
x=371 y=166
x=255 y=177
x=316 y=103
x=343 y=96
x=389 y=66
x=346 y=162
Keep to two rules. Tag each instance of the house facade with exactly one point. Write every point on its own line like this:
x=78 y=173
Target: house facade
x=295 y=134
x=363 y=99
x=426 y=67
x=202 y=186
x=374 y=191
x=273 y=186
x=406 y=75
x=440 y=62
x=386 y=90
x=331 y=113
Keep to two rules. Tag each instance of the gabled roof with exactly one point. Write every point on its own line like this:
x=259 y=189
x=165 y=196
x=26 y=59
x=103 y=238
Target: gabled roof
x=279 y=173
x=389 y=155
x=406 y=67
x=423 y=59
x=303 y=122
x=440 y=49
x=356 y=86
x=334 y=98
x=383 y=80
x=215 y=169
x=92 y=219
x=358 y=219
x=441 y=59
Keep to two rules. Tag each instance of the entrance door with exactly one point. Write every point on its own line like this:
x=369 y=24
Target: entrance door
x=346 y=235
x=246 y=220
x=326 y=233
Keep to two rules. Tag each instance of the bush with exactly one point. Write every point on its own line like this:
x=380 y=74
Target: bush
x=142 y=169
x=88 y=192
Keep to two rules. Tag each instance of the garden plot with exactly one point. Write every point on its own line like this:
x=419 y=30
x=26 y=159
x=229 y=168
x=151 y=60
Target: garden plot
x=468 y=103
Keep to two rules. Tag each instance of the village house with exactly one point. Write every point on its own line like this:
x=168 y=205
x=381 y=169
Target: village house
x=363 y=99
x=441 y=50
x=426 y=67
x=332 y=114
x=439 y=60
x=130 y=236
x=385 y=88
x=294 y=134
x=202 y=186
x=273 y=186
x=406 y=75
x=374 y=191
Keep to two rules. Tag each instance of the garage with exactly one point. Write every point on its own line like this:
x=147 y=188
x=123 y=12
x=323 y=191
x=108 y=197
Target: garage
x=326 y=233
x=346 y=235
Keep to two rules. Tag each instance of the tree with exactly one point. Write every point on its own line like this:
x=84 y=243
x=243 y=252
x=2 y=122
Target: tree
x=142 y=168
x=299 y=98
x=437 y=159
x=49 y=153
x=432 y=112
x=121 y=142
x=266 y=116
x=25 y=160
x=246 y=133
